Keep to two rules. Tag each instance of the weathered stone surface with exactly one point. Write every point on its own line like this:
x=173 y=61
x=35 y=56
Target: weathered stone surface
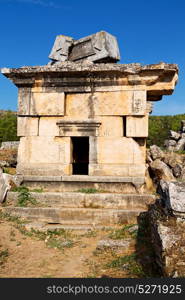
x=4 y=184
x=84 y=200
x=156 y=152
x=180 y=145
x=172 y=143
x=60 y=50
x=77 y=99
x=79 y=216
x=9 y=145
x=137 y=126
x=47 y=104
x=27 y=126
x=103 y=81
x=79 y=106
x=172 y=159
x=167 y=237
x=76 y=128
x=173 y=195
x=119 y=246
x=175 y=135
x=98 y=47
x=106 y=128
x=161 y=171
x=48 y=126
x=177 y=170
x=183 y=126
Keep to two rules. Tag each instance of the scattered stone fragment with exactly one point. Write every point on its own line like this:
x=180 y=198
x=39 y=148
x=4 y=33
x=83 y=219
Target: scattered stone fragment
x=183 y=126
x=177 y=170
x=119 y=246
x=161 y=171
x=180 y=145
x=4 y=185
x=173 y=196
x=175 y=135
x=156 y=152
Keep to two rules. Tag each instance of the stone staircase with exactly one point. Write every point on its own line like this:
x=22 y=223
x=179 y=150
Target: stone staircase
x=76 y=210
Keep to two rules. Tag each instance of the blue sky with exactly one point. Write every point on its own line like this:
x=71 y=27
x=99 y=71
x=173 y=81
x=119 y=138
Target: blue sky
x=147 y=31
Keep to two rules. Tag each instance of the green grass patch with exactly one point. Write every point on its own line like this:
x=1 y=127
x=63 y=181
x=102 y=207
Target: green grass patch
x=123 y=233
x=88 y=191
x=128 y=263
x=24 y=196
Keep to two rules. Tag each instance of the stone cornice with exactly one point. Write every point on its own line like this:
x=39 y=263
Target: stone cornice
x=157 y=79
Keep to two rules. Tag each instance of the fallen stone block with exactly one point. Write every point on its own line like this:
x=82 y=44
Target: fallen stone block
x=156 y=152
x=173 y=196
x=119 y=246
x=161 y=171
x=175 y=135
x=4 y=185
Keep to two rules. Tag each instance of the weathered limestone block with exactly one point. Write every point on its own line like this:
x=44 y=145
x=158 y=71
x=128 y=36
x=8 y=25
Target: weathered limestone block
x=6 y=182
x=115 y=150
x=118 y=103
x=98 y=47
x=170 y=144
x=139 y=103
x=4 y=186
x=110 y=126
x=156 y=152
x=161 y=171
x=172 y=159
x=173 y=196
x=106 y=169
x=24 y=95
x=48 y=126
x=60 y=50
x=177 y=170
x=137 y=126
x=180 y=145
x=167 y=237
x=27 y=126
x=174 y=135
x=157 y=80
x=42 y=149
x=47 y=104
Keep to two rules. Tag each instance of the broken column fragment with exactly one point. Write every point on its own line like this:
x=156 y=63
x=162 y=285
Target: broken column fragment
x=98 y=47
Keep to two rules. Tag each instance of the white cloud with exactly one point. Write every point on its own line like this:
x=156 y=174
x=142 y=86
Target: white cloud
x=45 y=3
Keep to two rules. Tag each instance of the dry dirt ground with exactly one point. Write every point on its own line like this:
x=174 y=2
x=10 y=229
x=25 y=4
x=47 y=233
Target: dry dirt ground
x=69 y=254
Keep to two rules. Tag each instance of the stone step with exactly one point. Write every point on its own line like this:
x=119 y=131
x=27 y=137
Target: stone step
x=113 y=184
x=84 y=200
x=74 y=216
x=79 y=228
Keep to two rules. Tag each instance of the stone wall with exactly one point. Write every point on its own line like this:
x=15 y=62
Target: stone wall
x=167 y=227
x=9 y=145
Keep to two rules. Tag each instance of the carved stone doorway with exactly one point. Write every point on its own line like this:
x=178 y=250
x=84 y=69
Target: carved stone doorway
x=80 y=155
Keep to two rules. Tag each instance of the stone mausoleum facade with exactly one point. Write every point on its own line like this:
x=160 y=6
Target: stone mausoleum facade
x=79 y=117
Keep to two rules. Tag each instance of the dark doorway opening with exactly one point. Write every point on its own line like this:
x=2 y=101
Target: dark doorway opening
x=80 y=152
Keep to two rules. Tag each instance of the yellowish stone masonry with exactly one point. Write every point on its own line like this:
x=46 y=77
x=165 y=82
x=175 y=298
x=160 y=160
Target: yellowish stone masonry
x=86 y=118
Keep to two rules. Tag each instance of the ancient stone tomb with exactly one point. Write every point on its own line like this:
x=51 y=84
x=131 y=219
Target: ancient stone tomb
x=87 y=118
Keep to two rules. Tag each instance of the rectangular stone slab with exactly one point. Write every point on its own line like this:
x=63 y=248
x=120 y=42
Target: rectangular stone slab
x=98 y=47
x=47 y=104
